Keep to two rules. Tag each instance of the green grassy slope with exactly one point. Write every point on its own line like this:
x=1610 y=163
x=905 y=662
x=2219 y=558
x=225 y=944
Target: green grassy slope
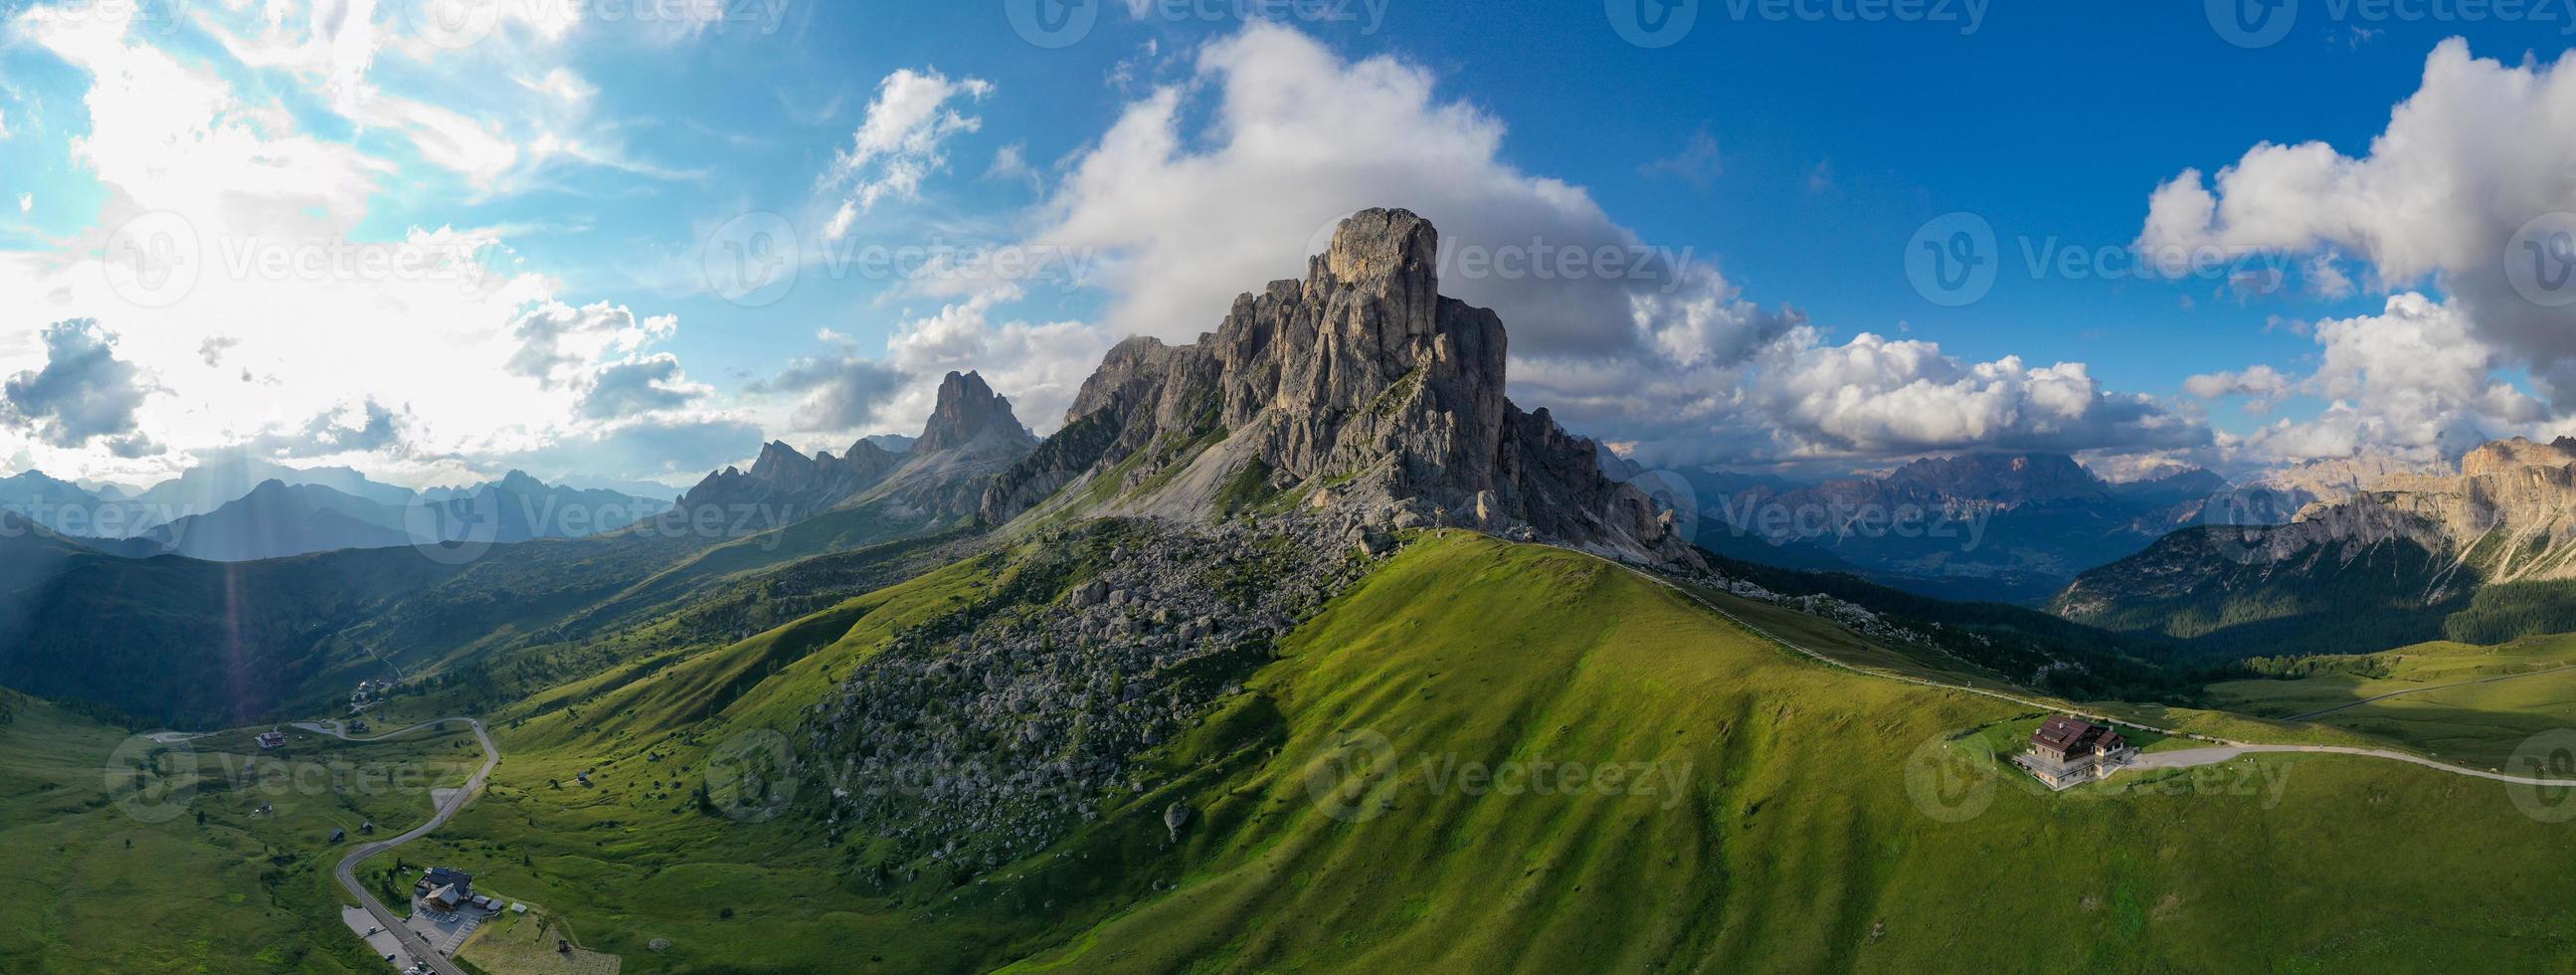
x=90 y=887
x=635 y=856
x=2454 y=710
x=193 y=644
x=2210 y=597
x=1798 y=846
x=1330 y=830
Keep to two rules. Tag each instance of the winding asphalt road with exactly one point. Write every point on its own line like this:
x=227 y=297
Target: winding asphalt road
x=413 y=944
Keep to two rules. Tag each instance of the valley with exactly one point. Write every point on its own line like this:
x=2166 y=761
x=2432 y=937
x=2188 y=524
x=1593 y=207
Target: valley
x=1299 y=647
x=1776 y=751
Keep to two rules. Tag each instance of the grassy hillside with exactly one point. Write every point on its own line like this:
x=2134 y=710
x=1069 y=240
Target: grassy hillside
x=194 y=644
x=1770 y=824
x=1798 y=846
x=2214 y=594
x=110 y=870
x=2469 y=703
x=2017 y=644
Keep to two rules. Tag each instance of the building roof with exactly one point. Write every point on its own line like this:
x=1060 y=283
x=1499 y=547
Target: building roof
x=448 y=877
x=2061 y=733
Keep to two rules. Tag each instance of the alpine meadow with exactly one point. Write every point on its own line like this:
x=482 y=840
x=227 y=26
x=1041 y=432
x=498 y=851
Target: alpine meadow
x=582 y=487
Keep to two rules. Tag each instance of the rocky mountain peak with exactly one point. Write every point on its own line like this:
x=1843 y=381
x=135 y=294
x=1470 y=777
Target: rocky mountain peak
x=1357 y=389
x=968 y=409
x=2008 y=479
x=777 y=460
x=2507 y=455
x=1391 y=255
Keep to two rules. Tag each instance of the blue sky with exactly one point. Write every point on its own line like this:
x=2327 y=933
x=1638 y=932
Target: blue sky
x=591 y=158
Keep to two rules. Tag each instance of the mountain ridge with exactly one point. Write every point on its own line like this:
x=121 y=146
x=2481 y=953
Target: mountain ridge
x=1357 y=391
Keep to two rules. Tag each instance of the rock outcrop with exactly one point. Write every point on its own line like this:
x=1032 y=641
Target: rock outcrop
x=971 y=435
x=2415 y=543
x=1358 y=390
x=790 y=484
x=968 y=413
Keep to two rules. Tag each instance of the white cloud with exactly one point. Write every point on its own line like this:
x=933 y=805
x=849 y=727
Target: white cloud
x=558 y=343
x=174 y=137
x=26 y=203
x=1874 y=396
x=1011 y=165
x=2256 y=382
x=1187 y=213
x=1040 y=366
x=478 y=362
x=2478 y=150
x=2412 y=378
x=902 y=141
x=640 y=385
x=563 y=86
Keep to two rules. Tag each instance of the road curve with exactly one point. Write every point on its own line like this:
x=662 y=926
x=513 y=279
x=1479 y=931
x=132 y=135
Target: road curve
x=347 y=872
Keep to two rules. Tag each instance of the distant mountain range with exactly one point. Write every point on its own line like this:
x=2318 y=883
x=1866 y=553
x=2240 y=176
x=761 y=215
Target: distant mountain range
x=2482 y=555
x=238 y=509
x=2003 y=527
x=938 y=477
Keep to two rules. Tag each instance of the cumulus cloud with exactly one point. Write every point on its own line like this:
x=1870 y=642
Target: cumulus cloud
x=841 y=393
x=360 y=428
x=475 y=356
x=557 y=340
x=2412 y=378
x=1203 y=190
x=901 y=141
x=1195 y=203
x=649 y=384
x=2476 y=153
x=2255 y=382
x=83 y=393
x=1874 y=396
x=1040 y=366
